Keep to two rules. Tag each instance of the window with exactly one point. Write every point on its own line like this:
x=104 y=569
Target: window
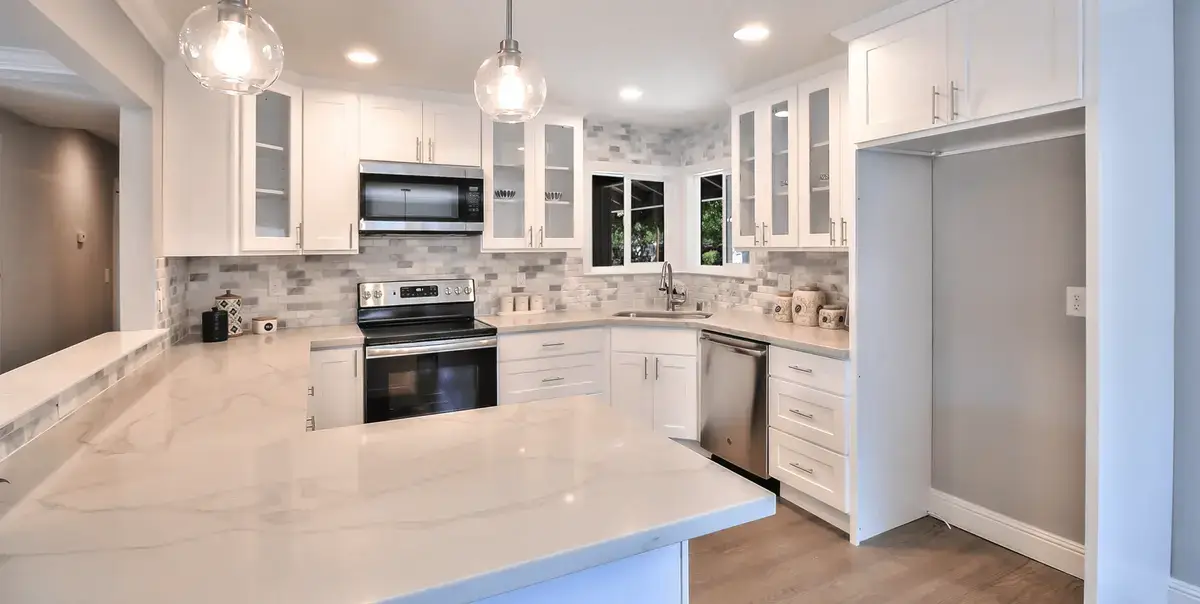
x=628 y=221
x=716 y=233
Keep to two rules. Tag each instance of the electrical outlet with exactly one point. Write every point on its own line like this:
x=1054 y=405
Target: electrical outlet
x=275 y=284
x=1076 y=301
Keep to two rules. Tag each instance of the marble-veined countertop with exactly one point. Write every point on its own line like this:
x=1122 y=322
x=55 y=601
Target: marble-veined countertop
x=206 y=489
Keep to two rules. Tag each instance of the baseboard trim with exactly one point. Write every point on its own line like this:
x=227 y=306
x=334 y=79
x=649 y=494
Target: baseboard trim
x=1025 y=539
x=815 y=507
x=1179 y=592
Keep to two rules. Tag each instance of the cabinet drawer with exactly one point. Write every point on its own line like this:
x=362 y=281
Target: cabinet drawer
x=809 y=370
x=545 y=344
x=808 y=468
x=655 y=340
x=543 y=379
x=815 y=416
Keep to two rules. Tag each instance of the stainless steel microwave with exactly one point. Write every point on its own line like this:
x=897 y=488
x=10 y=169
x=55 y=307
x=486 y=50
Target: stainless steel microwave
x=396 y=197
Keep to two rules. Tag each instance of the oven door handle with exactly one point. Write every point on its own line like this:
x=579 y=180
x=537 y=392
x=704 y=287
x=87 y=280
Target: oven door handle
x=407 y=350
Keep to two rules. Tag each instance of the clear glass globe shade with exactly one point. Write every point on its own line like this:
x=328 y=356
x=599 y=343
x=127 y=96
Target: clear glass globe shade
x=231 y=49
x=510 y=88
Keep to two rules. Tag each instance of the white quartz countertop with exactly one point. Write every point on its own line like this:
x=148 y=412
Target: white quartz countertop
x=756 y=326
x=207 y=490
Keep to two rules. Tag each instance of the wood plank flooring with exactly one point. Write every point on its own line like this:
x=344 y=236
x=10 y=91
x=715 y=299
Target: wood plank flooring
x=794 y=558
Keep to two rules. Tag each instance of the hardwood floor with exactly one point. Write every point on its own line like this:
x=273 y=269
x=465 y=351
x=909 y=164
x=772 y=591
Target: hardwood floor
x=794 y=558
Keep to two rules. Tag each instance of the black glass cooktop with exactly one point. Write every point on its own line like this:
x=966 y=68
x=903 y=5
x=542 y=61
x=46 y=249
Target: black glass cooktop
x=449 y=329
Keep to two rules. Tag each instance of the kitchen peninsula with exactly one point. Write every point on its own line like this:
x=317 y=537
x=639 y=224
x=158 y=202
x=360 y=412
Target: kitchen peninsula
x=207 y=489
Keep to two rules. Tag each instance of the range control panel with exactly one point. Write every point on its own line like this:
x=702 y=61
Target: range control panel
x=409 y=293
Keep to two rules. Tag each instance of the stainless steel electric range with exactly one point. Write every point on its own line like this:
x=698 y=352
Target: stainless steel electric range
x=425 y=352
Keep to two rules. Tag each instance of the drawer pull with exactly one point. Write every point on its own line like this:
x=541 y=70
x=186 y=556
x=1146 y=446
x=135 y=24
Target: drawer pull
x=554 y=344
x=807 y=416
x=799 y=467
x=801 y=369
x=553 y=379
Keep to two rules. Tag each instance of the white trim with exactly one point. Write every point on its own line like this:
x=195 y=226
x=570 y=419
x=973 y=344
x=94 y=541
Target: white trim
x=1179 y=592
x=820 y=509
x=886 y=17
x=899 y=139
x=1047 y=548
x=792 y=80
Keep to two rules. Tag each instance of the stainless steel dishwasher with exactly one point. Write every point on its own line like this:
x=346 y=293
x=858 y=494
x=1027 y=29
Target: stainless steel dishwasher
x=733 y=401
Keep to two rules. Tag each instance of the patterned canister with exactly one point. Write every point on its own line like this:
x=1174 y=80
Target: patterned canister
x=232 y=303
x=783 y=309
x=833 y=317
x=806 y=302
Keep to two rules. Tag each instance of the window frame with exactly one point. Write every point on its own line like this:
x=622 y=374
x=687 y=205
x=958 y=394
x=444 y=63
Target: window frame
x=630 y=172
x=694 y=174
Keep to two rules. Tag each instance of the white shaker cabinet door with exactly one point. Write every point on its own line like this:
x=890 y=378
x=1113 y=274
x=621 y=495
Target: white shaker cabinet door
x=632 y=391
x=898 y=78
x=453 y=134
x=390 y=129
x=336 y=396
x=676 y=404
x=330 y=172
x=1011 y=55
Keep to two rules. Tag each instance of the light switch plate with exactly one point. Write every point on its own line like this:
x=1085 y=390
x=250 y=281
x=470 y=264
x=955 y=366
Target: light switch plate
x=1076 y=301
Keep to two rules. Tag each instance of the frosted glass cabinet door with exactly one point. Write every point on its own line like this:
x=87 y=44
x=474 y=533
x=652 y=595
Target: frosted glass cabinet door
x=820 y=167
x=562 y=147
x=777 y=213
x=508 y=179
x=271 y=170
x=745 y=215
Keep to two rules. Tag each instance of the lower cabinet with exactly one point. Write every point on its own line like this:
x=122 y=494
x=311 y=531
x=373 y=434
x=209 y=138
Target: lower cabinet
x=335 y=392
x=657 y=389
x=546 y=365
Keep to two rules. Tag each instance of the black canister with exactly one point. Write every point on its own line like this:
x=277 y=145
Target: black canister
x=214 y=325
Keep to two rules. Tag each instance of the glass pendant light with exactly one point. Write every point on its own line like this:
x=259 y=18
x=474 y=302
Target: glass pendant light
x=229 y=48
x=509 y=87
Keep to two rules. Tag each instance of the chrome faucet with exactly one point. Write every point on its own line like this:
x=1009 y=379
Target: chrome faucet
x=667 y=284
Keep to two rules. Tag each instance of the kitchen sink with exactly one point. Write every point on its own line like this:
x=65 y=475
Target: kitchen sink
x=662 y=314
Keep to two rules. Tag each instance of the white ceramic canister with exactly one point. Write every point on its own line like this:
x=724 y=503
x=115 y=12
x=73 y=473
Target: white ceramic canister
x=806 y=302
x=833 y=317
x=783 y=309
x=521 y=304
x=264 y=325
x=506 y=303
x=231 y=303
x=537 y=303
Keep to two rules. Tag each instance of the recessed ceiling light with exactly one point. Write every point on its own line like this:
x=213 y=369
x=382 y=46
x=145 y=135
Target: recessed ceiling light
x=631 y=93
x=781 y=113
x=752 y=33
x=362 y=57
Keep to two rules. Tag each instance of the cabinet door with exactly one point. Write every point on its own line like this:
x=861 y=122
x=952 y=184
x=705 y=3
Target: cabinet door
x=745 y=214
x=330 y=172
x=820 y=161
x=509 y=180
x=560 y=180
x=390 y=129
x=336 y=398
x=778 y=147
x=898 y=78
x=272 y=178
x=676 y=404
x=1010 y=55
x=453 y=134
x=632 y=390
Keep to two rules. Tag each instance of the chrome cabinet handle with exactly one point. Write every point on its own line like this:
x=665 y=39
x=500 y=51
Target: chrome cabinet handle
x=552 y=345
x=832 y=232
x=756 y=234
x=419 y=149
x=798 y=467
x=844 y=232
x=553 y=379
x=936 y=94
x=298 y=238
x=657 y=361
x=541 y=236
x=351 y=244
x=765 y=226
x=953 y=101
x=431 y=151
x=355 y=363
x=804 y=415
x=530 y=236
x=801 y=369
x=645 y=368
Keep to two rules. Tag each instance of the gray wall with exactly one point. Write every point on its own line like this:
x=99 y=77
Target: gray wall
x=1008 y=423
x=53 y=184
x=1185 y=553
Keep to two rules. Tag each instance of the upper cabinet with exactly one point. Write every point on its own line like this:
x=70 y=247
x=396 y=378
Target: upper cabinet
x=271 y=170
x=533 y=183
x=401 y=130
x=331 y=152
x=787 y=168
x=965 y=60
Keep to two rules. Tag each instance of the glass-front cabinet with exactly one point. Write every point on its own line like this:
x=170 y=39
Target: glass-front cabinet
x=271 y=172
x=821 y=220
x=745 y=212
x=534 y=184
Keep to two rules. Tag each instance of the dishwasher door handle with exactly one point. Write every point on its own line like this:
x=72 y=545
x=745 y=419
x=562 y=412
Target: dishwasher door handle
x=735 y=348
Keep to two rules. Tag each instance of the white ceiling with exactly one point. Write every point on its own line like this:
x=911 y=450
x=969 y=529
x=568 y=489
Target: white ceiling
x=680 y=52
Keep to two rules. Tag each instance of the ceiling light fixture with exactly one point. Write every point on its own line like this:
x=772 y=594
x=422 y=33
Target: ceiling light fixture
x=781 y=113
x=362 y=57
x=229 y=48
x=752 y=33
x=631 y=93
x=508 y=87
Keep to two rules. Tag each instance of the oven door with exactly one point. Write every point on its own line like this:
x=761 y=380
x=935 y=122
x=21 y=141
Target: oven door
x=418 y=203
x=425 y=378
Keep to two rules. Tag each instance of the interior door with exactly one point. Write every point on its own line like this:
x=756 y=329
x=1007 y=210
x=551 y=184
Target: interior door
x=898 y=78
x=1010 y=55
x=745 y=177
x=632 y=391
x=676 y=404
x=272 y=174
x=453 y=134
x=777 y=171
x=390 y=129
x=330 y=171
x=561 y=183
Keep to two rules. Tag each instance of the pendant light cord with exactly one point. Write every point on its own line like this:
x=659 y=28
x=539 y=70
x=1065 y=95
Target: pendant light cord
x=508 y=23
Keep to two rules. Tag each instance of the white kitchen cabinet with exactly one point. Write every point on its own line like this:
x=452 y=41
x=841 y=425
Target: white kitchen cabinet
x=390 y=129
x=655 y=379
x=330 y=215
x=453 y=134
x=745 y=175
x=632 y=390
x=898 y=77
x=272 y=171
x=1010 y=55
x=676 y=403
x=335 y=394
x=533 y=182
